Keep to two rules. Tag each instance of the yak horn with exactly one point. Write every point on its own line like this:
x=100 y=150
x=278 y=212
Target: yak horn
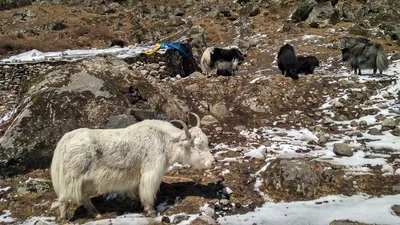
x=197 y=118
x=184 y=127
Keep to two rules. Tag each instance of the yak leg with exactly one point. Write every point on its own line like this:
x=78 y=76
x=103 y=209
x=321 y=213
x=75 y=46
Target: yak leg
x=150 y=181
x=91 y=208
x=359 y=71
x=374 y=71
x=63 y=205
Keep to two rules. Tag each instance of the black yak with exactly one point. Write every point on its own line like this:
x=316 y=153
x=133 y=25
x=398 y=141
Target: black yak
x=212 y=55
x=366 y=56
x=287 y=61
x=307 y=64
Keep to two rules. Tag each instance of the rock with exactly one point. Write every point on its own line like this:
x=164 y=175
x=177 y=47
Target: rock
x=327 y=120
x=322 y=15
x=389 y=123
x=395 y=56
x=179 y=218
x=239 y=128
x=165 y=219
x=224 y=202
x=11 y=4
x=363 y=123
x=208 y=120
x=179 y=12
x=58 y=26
x=346 y=222
x=375 y=131
x=337 y=104
x=219 y=110
x=293 y=177
x=25 y=15
x=227 y=191
x=193 y=87
x=348 y=12
x=356 y=133
x=396 y=187
x=203 y=220
x=71 y=96
x=303 y=10
x=323 y=138
x=396 y=131
x=396 y=209
x=342 y=149
x=120 y=121
x=175 y=21
x=36 y=185
x=208 y=211
x=249 y=10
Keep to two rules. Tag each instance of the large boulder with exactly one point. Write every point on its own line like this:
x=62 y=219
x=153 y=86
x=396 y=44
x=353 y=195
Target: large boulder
x=322 y=15
x=74 y=95
x=286 y=179
x=303 y=10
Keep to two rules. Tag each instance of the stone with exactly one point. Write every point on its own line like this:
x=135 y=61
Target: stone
x=239 y=128
x=219 y=110
x=327 y=120
x=363 y=123
x=396 y=209
x=375 y=131
x=348 y=12
x=337 y=104
x=208 y=120
x=293 y=177
x=179 y=218
x=395 y=56
x=322 y=15
x=120 y=121
x=249 y=10
x=35 y=185
x=342 y=149
x=389 y=123
x=88 y=95
x=203 y=220
x=396 y=187
x=356 y=133
x=224 y=202
x=303 y=10
x=12 y=4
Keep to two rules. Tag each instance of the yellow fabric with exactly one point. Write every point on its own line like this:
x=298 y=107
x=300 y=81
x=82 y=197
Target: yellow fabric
x=158 y=46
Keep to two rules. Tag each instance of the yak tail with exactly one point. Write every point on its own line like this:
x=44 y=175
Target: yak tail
x=382 y=62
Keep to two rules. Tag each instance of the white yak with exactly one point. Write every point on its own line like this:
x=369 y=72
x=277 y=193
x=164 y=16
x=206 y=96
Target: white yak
x=131 y=161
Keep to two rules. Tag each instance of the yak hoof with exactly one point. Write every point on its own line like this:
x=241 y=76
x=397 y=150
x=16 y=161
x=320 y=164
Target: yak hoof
x=151 y=213
x=98 y=216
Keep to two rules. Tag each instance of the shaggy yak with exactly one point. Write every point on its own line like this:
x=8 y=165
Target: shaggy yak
x=349 y=42
x=366 y=56
x=287 y=61
x=131 y=161
x=307 y=64
x=213 y=56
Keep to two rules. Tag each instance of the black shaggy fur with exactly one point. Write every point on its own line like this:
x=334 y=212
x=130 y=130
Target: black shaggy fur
x=366 y=56
x=287 y=61
x=227 y=55
x=307 y=64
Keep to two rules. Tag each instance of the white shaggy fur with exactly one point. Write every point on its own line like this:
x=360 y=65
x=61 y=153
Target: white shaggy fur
x=130 y=160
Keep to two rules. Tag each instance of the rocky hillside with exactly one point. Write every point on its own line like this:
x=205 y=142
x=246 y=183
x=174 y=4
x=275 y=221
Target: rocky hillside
x=321 y=143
